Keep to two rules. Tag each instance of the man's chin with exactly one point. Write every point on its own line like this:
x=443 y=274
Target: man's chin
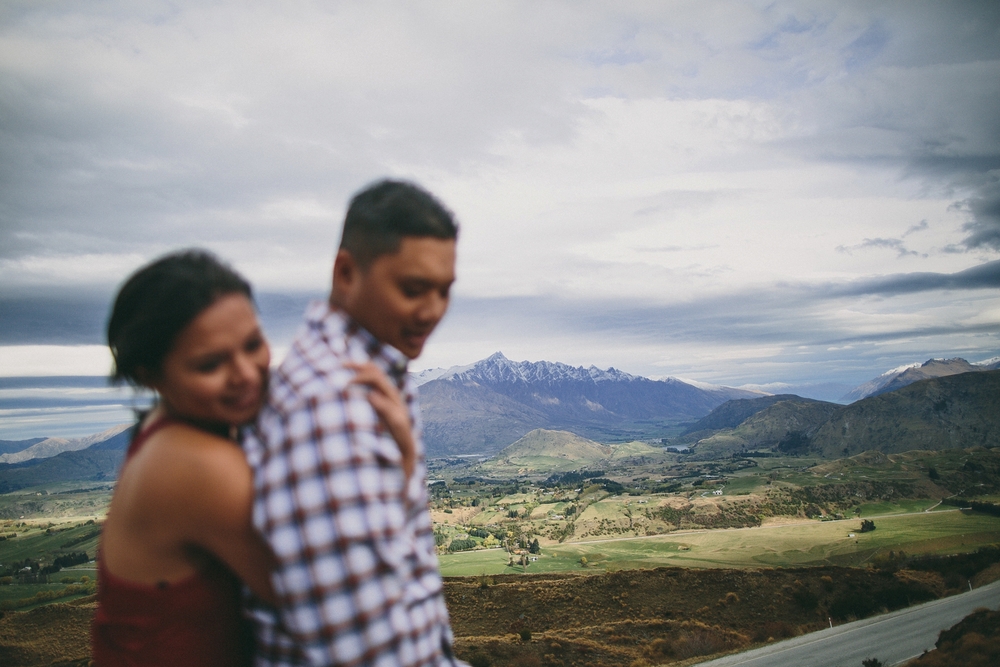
x=412 y=353
x=412 y=346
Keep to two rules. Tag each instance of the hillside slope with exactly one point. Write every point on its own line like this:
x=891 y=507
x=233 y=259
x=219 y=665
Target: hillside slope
x=553 y=451
x=897 y=378
x=11 y=446
x=953 y=411
x=52 y=446
x=734 y=412
x=774 y=426
x=98 y=462
x=942 y=413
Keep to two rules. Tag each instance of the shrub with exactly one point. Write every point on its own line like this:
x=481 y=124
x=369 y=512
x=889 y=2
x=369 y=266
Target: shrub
x=805 y=598
x=773 y=630
x=479 y=660
x=461 y=545
x=525 y=635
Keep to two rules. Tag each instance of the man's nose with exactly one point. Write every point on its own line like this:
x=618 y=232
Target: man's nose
x=433 y=309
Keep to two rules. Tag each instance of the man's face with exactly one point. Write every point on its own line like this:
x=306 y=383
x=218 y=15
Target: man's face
x=401 y=297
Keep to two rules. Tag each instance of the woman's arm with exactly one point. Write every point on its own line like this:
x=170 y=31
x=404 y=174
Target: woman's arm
x=213 y=497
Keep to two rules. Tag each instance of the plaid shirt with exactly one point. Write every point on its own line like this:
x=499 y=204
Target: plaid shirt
x=357 y=580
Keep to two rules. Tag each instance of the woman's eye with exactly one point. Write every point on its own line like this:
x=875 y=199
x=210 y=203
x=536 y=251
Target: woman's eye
x=209 y=366
x=253 y=344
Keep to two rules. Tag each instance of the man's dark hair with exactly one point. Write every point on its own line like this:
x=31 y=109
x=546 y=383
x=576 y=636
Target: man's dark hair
x=385 y=212
x=158 y=301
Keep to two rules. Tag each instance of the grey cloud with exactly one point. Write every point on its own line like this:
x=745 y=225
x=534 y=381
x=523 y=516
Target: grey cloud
x=983 y=276
x=921 y=95
x=984 y=227
x=777 y=334
x=916 y=228
x=894 y=244
x=787 y=319
x=79 y=317
x=868 y=46
x=677 y=248
x=775 y=314
x=126 y=127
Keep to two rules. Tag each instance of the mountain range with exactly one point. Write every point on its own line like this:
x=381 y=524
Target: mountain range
x=483 y=407
x=39 y=448
x=897 y=378
x=100 y=461
x=952 y=411
x=486 y=406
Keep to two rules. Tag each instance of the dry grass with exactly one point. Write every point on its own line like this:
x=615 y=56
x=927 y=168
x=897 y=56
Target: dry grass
x=49 y=635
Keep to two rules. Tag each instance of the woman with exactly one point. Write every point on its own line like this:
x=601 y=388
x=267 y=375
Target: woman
x=178 y=532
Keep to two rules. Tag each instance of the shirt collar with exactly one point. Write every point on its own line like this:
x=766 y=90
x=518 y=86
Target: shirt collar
x=334 y=323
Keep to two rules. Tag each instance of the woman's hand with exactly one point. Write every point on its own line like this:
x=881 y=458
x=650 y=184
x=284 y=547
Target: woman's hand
x=388 y=404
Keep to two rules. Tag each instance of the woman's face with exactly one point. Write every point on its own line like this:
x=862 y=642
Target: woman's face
x=217 y=369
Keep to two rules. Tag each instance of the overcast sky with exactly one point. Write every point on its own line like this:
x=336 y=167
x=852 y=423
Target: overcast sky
x=732 y=192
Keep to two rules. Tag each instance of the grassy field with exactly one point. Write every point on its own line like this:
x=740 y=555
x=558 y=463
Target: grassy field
x=56 y=503
x=800 y=544
x=40 y=542
x=898 y=507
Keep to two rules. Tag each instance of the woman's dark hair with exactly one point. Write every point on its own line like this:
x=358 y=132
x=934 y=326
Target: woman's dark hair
x=157 y=302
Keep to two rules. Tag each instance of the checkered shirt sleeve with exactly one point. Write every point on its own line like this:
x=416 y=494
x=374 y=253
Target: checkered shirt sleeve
x=358 y=580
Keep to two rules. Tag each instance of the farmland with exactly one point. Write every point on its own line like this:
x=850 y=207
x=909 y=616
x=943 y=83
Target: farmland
x=644 y=558
x=808 y=543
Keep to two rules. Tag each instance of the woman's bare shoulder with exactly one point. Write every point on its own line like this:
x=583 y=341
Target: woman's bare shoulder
x=187 y=465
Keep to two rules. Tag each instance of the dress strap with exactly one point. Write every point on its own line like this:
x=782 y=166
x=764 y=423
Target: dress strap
x=146 y=433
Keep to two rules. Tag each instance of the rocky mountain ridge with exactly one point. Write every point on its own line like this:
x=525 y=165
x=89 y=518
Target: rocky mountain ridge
x=50 y=447
x=901 y=376
x=483 y=407
x=953 y=411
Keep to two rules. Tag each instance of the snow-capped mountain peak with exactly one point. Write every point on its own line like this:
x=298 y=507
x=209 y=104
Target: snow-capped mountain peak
x=499 y=369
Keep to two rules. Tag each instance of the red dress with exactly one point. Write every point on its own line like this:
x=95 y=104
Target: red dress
x=196 y=622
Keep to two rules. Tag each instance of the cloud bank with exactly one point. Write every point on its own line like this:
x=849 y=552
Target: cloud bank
x=738 y=192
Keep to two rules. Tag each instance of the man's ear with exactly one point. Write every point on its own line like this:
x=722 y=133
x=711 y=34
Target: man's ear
x=346 y=273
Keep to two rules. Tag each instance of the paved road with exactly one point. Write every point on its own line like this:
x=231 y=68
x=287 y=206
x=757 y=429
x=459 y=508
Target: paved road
x=892 y=638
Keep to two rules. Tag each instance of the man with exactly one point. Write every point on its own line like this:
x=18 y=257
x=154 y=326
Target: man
x=357 y=581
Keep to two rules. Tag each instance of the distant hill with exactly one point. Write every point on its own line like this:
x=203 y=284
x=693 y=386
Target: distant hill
x=483 y=407
x=100 y=461
x=11 y=446
x=559 y=447
x=784 y=424
x=48 y=447
x=897 y=378
x=734 y=412
x=543 y=450
x=954 y=411
x=821 y=391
